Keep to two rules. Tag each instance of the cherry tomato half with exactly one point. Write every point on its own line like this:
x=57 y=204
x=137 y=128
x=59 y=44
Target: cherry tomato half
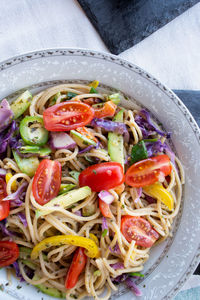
x=9 y=253
x=138 y=229
x=47 y=180
x=148 y=171
x=108 y=110
x=102 y=176
x=67 y=116
x=105 y=209
x=77 y=266
x=4 y=205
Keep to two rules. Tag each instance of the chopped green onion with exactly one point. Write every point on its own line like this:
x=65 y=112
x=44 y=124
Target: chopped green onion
x=138 y=274
x=150 y=140
x=104 y=233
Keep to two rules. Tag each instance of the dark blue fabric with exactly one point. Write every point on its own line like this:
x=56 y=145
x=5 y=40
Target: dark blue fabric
x=123 y=23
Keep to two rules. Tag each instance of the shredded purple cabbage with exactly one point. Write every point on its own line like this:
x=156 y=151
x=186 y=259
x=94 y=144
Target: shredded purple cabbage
x=120 y=278
x=17 y=271
x=17 y=197
x=4 y=229
x=139 y=192
x=89 y=148
x=117 y=266
x=116 y=127
x=23 y=219
x=146 y=125
x=150 y=199
x=7 y=138
x=133 y=287
x=78 y=213
x=154 y=148
x=116 y=249
x=6 y=115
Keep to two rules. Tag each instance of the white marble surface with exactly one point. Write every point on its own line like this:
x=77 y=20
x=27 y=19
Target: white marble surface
x=172 y=54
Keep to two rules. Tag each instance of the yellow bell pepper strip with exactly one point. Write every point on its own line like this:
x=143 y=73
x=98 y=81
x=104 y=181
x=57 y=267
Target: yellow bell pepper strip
x=94 y=238
x=157 y=191
x=58 y=240
x=14 y=184
x=94 y=84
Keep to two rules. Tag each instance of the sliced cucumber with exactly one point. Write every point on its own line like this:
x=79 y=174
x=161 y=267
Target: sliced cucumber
x=26 y=165
x=29 y=264
x=49 y=291
x=115 y=98
x=65 y=200
x=81 y=140
x=74 y=174
x=25 y=253
x=20 y=105
x=116 y=142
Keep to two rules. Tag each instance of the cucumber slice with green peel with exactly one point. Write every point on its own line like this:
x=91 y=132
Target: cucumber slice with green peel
x=81 y=140
x=29 y=264
x=65 y=200
x=74 y=174
x=66 y=188
x=25 y=253
x=49 y=291
x=26 y=165
x=20 y=105
x=54 y=98
x=116 y=142
x=115 y=98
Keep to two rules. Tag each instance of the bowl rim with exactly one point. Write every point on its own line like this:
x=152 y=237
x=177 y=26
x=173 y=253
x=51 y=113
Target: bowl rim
x=76 y=51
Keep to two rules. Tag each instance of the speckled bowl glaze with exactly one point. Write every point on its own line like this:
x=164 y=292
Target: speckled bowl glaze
x=172 y=262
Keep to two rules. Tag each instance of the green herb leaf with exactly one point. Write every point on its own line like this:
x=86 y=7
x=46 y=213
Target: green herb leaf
x=94 y=171
x=93 y=90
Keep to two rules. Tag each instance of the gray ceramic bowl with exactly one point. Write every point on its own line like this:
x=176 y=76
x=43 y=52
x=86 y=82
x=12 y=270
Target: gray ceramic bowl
x=172 y=262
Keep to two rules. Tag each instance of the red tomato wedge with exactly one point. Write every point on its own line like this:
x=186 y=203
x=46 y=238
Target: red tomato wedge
x=77 y=266
x=138 y=229
x=108 y=110
x=67 y=116
x=9 y=253
x=148 y=171
x=4 y=205
x=102 y=176
x=47 y=180
x=105 y=209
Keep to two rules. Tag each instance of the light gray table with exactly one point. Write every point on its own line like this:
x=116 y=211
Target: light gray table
x=171 y=54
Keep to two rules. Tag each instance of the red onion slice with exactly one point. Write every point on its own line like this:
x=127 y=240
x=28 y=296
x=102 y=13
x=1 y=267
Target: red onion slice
x=106 y=197
x=61 y=140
